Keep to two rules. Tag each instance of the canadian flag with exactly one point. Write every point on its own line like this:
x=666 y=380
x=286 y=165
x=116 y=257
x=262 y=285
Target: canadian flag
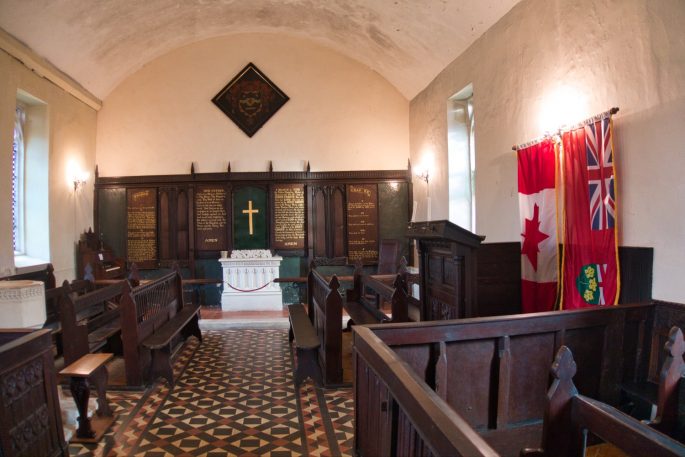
x=538 y=210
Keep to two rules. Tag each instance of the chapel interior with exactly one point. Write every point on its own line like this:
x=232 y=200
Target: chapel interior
x=298 y=228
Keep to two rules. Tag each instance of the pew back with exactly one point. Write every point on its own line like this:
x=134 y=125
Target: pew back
x=145 y=309
x=370 y=291
x=324 y=306
x=510 y=356
x=572 y=420
x=89 y=321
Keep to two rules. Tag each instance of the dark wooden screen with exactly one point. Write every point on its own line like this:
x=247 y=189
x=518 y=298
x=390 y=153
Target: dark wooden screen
x=326 y=224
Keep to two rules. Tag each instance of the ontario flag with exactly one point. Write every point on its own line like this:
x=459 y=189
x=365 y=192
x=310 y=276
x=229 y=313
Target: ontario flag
x=538 y=210
x=590 y=264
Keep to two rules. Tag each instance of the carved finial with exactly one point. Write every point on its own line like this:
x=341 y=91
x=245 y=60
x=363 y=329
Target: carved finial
x=192 y=168
x=564 y=367
x=308 y=167
x=133 y=275
x=229 y=167
x=334 y=284
x=409 y=166
x=271 y=166
x=399 y=283
x=97 y=174
x=675 y=344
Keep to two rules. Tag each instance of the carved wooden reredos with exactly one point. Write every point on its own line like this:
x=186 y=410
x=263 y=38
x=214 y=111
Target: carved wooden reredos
x=156 y=220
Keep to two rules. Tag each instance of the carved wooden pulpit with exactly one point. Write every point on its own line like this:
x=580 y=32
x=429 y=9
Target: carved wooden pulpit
x=447 y=269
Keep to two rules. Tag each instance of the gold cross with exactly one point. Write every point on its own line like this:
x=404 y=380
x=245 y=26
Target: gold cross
x=249 y=211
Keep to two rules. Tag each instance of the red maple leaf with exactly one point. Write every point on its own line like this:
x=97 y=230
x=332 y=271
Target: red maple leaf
x=532 y=237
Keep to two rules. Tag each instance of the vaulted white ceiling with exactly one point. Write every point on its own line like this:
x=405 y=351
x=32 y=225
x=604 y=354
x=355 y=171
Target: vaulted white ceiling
x=101 y=42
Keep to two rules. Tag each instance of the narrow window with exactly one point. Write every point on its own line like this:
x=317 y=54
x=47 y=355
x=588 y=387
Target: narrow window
x=18 y=182
x=30 y=183
x=461 y=159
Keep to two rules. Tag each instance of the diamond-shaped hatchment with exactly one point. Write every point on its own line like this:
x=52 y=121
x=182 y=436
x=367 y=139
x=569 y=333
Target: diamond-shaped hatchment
x=250 y=99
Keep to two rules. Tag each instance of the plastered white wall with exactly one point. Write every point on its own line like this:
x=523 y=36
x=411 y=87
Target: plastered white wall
x=625 y=53
x=341 y=115
x=71 y=130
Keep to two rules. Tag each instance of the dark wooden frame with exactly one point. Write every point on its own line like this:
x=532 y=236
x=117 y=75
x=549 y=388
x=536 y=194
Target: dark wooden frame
x=239 y=120
x=290 y=251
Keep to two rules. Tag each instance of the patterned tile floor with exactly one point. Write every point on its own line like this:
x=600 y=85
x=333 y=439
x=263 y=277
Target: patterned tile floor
x=234 y=395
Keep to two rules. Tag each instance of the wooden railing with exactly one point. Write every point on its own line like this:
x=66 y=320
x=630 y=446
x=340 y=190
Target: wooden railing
x=391 y=399
x=510 y=357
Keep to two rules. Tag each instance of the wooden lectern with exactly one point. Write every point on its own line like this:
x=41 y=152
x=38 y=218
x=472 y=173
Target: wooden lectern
x=447 y=269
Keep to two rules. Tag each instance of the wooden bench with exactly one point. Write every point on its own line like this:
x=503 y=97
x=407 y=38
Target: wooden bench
x=368 y=294
x=324 y=310
x=185 y=322
x=52 y=308
x=306 y=345
x=571 y=419
x=152 y=315
x=90 y=322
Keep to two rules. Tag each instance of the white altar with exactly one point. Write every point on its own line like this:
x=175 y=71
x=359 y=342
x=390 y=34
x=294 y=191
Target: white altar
x=243 y=273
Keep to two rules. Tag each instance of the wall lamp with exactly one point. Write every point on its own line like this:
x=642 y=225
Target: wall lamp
x=79 y=180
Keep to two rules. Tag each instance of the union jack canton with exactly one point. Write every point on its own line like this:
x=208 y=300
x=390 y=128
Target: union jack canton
x=600 y=170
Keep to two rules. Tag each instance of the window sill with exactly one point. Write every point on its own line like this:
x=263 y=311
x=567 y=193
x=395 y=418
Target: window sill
x=25 y=264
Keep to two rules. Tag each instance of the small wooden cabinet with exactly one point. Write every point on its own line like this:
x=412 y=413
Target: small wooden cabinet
x=447 y=269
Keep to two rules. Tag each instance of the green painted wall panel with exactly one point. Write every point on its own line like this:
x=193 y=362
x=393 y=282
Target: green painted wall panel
x=242 y=239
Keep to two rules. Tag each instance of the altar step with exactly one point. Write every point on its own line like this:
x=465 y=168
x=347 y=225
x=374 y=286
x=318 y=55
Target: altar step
x=236 y=320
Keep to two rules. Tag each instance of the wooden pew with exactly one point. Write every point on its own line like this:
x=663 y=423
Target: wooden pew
x=510 y=356
x=91 y=321
x=369 y=292
x=307 y=344
x=152 y=316
x=52 y=308
x=570 y=419
x=664 y=396
x=324 y=308
x=30 y=417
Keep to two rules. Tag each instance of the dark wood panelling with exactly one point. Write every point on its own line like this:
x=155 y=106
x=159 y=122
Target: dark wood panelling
x=499 y=279
x=338 y=223
x=636 y=265
x=319 y=222
x=325 y=209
